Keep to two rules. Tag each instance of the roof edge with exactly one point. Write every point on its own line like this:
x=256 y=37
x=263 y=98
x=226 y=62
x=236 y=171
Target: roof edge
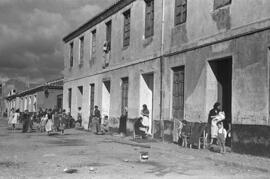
x=118 y=5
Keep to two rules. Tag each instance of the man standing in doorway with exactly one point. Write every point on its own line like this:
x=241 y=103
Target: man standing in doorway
x=96 y=120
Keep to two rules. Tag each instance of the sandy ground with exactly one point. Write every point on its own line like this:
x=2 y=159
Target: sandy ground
x=36 y=155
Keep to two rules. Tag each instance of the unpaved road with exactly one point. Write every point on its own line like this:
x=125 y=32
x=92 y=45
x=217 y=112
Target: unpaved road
x=36 y=155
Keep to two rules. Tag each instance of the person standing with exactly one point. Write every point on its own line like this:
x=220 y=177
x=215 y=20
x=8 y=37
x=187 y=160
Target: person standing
x=79 y=117
x=11 y=115
x=26 y=121
x=145 y=115
x=15 y=119
x=63 y=122
x=49 y=124
x=222 y=133
x=213 y=112
x=123 y=122
x=96 y=120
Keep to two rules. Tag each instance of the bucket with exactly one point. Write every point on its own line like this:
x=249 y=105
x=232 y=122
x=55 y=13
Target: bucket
x=144 y=156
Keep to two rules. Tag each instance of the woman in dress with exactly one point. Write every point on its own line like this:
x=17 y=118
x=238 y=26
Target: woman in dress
x=215 y=115
x=145 y=115
x=15 y=119
x=49 y=124
x=11 y=115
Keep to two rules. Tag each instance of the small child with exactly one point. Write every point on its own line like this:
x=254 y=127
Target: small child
x=222 y=133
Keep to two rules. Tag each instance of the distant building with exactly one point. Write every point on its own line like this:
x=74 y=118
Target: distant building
x=48 y=95
x=179 y=57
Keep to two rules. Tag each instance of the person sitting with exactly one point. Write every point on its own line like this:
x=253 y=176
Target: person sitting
x=140 y=128
x=105 y=125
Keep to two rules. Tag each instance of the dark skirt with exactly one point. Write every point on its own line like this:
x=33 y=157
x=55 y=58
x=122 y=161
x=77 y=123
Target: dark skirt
x=123 y=124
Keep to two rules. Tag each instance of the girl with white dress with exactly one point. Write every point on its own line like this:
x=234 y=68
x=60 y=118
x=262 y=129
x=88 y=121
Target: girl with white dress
x=15 y=119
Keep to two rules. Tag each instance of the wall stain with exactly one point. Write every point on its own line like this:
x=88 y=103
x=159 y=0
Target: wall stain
x=222 y=18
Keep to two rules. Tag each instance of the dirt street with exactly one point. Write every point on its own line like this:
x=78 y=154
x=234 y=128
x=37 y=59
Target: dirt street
x=36 y=155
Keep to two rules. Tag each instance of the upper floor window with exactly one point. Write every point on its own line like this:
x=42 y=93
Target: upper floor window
x=71 y=48
x=108 y=35
x=126 y=35
x=94 y=42
x=221 y=3
x=149 y=18
x=180 y=11
x=81 y=49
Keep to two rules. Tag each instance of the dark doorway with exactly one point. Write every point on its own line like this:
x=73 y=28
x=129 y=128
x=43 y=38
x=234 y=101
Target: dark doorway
x=92 y=98
x=124 y=95
x=178 y=98
x=59 y=101
x=222 y=70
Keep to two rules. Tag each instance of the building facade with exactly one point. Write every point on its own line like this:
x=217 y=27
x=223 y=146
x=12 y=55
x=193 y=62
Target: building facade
x=46 y=96
x=179 y=57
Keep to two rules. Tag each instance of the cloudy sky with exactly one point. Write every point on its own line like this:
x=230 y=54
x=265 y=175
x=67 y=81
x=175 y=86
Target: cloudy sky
x=31 y=33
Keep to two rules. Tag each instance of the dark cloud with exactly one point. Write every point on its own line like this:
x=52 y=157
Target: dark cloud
x=31 y=33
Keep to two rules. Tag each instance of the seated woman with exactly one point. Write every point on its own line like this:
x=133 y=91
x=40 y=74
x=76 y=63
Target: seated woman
x=105 y=125
x=140 y=128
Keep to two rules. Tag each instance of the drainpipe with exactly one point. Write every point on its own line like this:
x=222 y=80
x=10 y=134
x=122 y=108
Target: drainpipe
x=161 y=70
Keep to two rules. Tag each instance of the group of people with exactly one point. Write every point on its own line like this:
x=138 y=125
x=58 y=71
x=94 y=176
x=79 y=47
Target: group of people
x=216 y=120
x=96 y=124
x=99 y=126
x=47 y=120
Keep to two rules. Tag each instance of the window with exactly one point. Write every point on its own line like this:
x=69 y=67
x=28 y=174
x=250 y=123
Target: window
x=149 y=18
x=180 y=11
x=81 y=49
x=109 y=34
x=126 y=36
x=221 y=3
x=94 y=42
x=71 y=47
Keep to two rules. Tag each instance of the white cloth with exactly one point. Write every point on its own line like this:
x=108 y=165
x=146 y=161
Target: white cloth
x=49 y=125
x=15 y=118
x=10 y=118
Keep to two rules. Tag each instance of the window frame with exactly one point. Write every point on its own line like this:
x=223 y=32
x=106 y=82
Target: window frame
x=180 y=12
x=81 y=55
x=149 y=18
x=126 y=28
x=71 y=54
x=93 y=43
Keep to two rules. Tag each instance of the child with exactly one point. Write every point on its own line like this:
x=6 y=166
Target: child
x=105 y=125
x=222 y=133
x=214 y=129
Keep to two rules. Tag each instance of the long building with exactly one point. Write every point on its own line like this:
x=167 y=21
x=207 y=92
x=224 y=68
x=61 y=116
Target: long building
x=179 y=57
x=46 y=96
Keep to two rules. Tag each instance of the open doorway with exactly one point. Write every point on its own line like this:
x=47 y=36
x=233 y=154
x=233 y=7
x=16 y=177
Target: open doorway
x=106 y=97
x=79 y=97
x=146 y=95
x=221 y=83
